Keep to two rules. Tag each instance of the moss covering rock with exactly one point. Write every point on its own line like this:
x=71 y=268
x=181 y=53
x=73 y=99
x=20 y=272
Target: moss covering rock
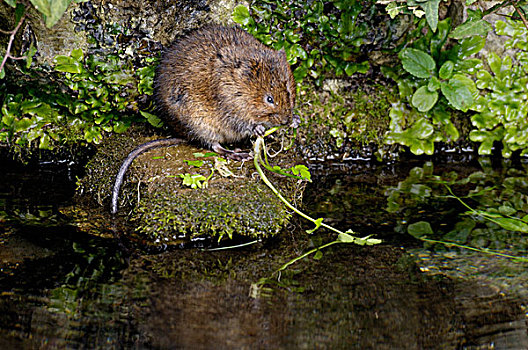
x=225 y=200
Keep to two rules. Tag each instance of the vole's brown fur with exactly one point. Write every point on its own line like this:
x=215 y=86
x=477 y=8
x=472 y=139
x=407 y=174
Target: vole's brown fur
x=221 y=85
x=217 y=81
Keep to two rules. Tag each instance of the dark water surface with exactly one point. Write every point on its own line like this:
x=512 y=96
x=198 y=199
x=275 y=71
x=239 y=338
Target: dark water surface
x=63 y=288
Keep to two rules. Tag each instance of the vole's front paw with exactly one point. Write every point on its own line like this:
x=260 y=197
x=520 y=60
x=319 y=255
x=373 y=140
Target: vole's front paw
x=259 y=130
x=296 y=121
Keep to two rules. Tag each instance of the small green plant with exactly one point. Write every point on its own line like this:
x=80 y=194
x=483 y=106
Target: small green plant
x=502 y=108
x=104 y=90
x=198 y=180
x=418 y=8
x=100 y=95
x=434 y=80
x=195 y=180
x=318 y=37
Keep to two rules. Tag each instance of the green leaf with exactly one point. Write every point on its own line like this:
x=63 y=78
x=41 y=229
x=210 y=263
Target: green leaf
x=345 y=238
x=434 y=84
x=299 y=73
x=461 y=231
x=241 y=16
x=51 y=9
x=44 y=142
x=466 y=81
x=296 y=51
x=29 y=55
x=511 y=224
x=430 y=8
x=23 y=124
x=446 y=71
x=205 y=155
x=458 y=94
x=484 y=79
x=439 y=38
x=120 y=126
x=470 y=46
x=153 y=120
x=196 y=163
x=194 y=180
x=43 y=6
x=392 y=9
x=423 y=99
x=471 y=28
x=418 y=63
x=420 y=229
x=19 y=12
x=67 y=64
x=77 y=54
x=318 y=255
x=302 y=171
x=422 y=129
x=11 y=3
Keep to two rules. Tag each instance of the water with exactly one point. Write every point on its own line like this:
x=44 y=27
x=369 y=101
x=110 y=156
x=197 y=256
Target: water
x=62 y=287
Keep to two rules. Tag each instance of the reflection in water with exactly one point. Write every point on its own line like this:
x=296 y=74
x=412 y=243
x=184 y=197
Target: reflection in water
x=63 y=288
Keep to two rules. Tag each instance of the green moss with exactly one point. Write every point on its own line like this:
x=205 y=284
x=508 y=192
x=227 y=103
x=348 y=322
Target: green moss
x=243 y=208
x=340 y=119
x=161 y=209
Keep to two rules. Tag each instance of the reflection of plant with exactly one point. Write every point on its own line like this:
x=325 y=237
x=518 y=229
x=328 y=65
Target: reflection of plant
x=491 y=214
x=317 y=36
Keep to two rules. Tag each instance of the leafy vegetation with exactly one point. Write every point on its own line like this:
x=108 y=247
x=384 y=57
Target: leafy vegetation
x=318 y=37
x=432 y=81
x=93 y=94
x=502 y=108
x=100 y=95
x=439 y=75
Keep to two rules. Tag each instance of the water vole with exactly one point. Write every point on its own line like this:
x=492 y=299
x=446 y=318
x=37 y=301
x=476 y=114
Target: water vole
x=220 y=85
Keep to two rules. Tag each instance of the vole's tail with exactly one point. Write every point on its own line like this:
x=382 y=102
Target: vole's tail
x=130 y=158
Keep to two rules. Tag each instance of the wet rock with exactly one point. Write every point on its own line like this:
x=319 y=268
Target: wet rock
x=161 y=209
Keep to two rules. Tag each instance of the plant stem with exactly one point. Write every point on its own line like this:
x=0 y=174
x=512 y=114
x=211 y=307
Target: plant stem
x=523 y=18
x=10 y=43
x=294 y=260
x=257 y=150
x=486 y=251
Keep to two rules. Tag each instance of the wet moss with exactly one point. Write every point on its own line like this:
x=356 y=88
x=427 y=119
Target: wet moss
x=237 y=207
x=161 y=209
x=344 y=119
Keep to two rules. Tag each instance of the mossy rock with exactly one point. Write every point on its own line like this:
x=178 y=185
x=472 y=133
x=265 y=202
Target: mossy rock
x=162 y=210
x=345 y=119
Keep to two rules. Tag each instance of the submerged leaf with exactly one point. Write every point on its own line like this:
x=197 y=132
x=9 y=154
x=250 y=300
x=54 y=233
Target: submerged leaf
x=420 y=229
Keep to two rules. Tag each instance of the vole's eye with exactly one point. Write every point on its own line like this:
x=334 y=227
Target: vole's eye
x=269 y=99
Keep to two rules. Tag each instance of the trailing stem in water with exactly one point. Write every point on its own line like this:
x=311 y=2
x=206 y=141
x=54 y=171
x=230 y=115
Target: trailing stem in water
x=343 y=237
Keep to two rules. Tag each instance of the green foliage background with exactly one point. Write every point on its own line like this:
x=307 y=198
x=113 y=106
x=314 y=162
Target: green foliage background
x=440 y=72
